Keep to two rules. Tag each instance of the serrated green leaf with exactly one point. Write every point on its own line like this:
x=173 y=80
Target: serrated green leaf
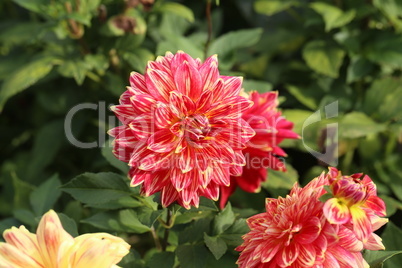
x=357 y=124
x=24 y=77
x=333 y=16
x=45 y=195
x=271 y=7
x=177 y=9
x=76 y=69
x=223 y=220
x=161 y=259
x=216 y=245
x=106 y=221
x=323 y=57
x=97 y=188
x=129 y=219
x=227 y=43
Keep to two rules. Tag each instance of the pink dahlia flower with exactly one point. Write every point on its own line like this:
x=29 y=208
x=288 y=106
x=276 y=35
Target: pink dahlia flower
x=262 y=150
x=354 y=201
x=295 y=232
x=182 y=132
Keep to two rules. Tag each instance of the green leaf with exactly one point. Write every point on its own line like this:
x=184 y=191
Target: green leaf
x=271 y=7
x=7 y=223
x=304 y=96
x=323 y=57
x=216 y=245
x=162 y=259
x=138 y=59
x=233 y=235
x=68 y=224
x=333 y=16
x=32 y=5
x=385 y=48
x=392 y=10
x=392 y=242
x=47 y=143
x=26 y=217
x=357 y=124
x=109 y=156
x=383 y=99
x=130 y=221
x=192 y=256
x=122 y=202
x=97 y=188
x=75 y=68
x=106 y=221
x=22 y=190
x=178 y=9
x=223 y=220
x=24 y=77
x=227 y=43
x=279 y=183
x=376 y=259
x=175 y=43
x=358 y=68
x=45 y=196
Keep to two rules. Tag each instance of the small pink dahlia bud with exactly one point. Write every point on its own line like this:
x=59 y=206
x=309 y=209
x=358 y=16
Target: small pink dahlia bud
x=182 y=132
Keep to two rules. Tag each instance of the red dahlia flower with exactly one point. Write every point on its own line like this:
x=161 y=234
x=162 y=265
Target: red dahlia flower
x=262 y=150
x=295 y=232
x=182 y=132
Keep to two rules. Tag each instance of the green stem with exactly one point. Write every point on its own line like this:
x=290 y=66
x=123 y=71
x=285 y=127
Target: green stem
x=169 y=224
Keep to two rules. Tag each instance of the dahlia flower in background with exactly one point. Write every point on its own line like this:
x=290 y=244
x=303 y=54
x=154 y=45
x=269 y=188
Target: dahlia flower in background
x=182 y=132
x=53 y=247
x=262 y=150
x=295 y=232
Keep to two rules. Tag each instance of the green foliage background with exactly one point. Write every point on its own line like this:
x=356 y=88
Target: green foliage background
x=55 y=54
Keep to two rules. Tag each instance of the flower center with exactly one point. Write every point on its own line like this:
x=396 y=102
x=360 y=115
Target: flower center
x=196 y=127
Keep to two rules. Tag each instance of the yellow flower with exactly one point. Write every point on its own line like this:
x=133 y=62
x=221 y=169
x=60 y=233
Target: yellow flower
x=53 y=247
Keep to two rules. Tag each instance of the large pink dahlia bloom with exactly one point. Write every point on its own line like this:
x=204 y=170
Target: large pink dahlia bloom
x=263 y=149
x=295 y=232
x=182 y=132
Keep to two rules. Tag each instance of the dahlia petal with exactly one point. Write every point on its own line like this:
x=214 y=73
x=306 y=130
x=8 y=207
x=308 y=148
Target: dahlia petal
x=178 y=60
x=140 y=127
x=188 y=80
x=125 y=97
x=190 y=192
x=180 y=180
x=226 y=192
x=331 y=261
x=51 y=235
x=163 y=115
x=142 y=103
x=10 y=256
x=336 y=212
x=348 y=240
x=209 y=72
x=25 y=242
x=232 y=85
x=307 y=256
x=162 y=141
x=137 y=83
x=204 y=101
x=155 y=182
x=159 y=84
x=124 y=112
x=310 y=232
x=221 y=175
x=186 y=160
x=155 y=161
x=374 y=242
x=376 y=204
x=251 y=178
x=180 y=104
x=169 y=195
x=361 y=223
x=138 y=176
x=161 y=66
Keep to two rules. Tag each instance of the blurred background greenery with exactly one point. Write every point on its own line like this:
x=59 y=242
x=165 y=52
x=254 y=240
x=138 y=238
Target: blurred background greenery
x=55 y=54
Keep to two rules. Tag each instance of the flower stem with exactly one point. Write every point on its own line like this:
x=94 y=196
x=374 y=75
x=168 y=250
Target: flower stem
x=167 y=228
x=156 y=239
x=209 y=20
